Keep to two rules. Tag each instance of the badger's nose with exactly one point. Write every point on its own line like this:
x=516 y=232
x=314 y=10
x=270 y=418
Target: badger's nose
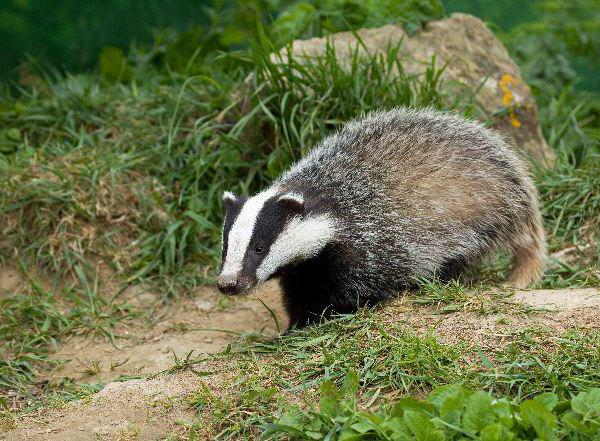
x=228 y=283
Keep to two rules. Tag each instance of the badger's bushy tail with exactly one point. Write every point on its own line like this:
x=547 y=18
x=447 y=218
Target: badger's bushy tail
x=529 y=250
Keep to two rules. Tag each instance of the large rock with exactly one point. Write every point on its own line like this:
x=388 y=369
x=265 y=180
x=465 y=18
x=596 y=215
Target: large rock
x=474 y=59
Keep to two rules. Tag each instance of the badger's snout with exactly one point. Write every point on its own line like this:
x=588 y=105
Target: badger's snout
x=232 y=284
x=228 y=284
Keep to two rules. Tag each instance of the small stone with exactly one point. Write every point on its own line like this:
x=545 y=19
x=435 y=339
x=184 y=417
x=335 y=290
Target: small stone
x=204 y=305
x=138 y=296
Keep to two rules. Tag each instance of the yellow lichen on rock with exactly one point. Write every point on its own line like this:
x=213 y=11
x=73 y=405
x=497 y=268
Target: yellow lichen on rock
x=508 y=99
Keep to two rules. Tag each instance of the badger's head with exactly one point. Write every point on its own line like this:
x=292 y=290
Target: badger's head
x=265 y=233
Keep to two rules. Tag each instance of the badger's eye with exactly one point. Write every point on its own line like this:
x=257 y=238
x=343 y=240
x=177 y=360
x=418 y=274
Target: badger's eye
x=259 y=249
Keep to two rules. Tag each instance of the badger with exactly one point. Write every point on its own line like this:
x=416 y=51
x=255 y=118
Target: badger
x=389 y=198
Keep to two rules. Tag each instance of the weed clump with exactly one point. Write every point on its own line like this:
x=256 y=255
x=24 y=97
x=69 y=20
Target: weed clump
x=449 y=412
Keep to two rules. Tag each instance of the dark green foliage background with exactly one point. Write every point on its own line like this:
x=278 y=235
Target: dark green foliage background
x=561 y=38
x=70 y=33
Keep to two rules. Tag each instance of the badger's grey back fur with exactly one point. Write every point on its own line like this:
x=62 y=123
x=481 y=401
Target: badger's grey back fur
x=412 y=193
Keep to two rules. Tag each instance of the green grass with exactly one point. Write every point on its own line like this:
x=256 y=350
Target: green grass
x=537 y=361
x=126 y=179
x=34 y=319
x=390 y=361
x=571 y=203
x=571 y=211
x=134 y=173
x=477 y=295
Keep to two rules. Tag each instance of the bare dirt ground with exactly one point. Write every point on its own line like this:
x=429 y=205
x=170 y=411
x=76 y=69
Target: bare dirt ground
x=205 y=324
x=554 y=310
x=10 y=279
x=151 y=407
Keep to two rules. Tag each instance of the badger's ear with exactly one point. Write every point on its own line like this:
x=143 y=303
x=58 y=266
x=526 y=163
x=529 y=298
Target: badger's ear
x=229 y=200
x=292 y=202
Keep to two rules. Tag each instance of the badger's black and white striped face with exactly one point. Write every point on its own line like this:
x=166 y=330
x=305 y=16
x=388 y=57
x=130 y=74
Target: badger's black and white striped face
x=265 y=233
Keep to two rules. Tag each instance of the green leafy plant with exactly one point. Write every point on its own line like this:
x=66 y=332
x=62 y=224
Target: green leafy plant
x=113 y=64
x=319 y=17
x=450 y=412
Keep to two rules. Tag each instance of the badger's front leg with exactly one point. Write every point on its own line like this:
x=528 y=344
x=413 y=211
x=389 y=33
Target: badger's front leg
x=297 y=313
x=306 y=302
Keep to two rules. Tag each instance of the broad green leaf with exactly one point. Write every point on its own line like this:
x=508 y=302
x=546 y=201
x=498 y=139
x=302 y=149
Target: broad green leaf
x=397 y=428
x=440 y=394
x=452 y=409
x=496 y=432
x=549 y=400
x=362 y=427
x=375 y=419
x=351 y=384
x=562 y=407
x=573 y=421
x=315 y=425
x=479 y=412
x=348 y=435
x=445 y=425
x=503 y=412
x=292 y=418
x=420 y=426
x=412 y=404
x=587 y=403
x=540 y=418
x=330 y=399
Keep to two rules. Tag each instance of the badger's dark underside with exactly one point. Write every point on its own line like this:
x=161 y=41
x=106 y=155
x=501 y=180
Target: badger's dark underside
x=325 y=285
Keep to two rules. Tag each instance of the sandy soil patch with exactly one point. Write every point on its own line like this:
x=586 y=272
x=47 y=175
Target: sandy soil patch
x=10 y=280
x=205 y=323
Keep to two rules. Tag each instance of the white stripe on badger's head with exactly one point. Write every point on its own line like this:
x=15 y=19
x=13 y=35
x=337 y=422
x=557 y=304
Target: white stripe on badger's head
x=266 y=232
x=302 y=239
x=229 y=197
x=241 y=231
x=293 y=198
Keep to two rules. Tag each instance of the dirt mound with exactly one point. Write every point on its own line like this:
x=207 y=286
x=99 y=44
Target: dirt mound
x=135 y=409
x=151 y=408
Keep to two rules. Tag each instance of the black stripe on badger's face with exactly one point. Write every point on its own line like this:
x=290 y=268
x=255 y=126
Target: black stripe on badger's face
x=270 y=231
x=271 y=221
